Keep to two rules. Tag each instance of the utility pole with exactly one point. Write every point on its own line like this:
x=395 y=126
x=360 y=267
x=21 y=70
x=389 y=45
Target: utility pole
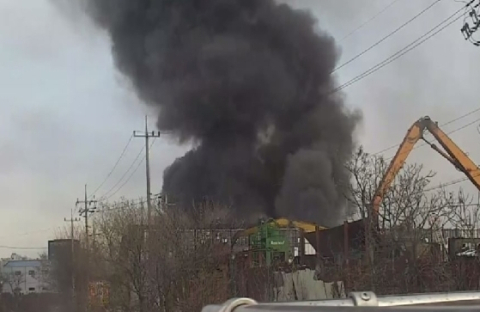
x=147 y=135
x=72 y=220
x=84 y=213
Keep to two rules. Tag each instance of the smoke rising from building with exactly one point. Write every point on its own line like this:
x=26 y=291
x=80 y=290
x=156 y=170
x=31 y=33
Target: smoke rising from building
x=247 y=82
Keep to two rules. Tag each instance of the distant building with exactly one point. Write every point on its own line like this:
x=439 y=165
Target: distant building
x=23 y=276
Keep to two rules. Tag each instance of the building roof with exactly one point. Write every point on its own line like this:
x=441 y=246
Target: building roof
x=307 y=227
x=22 y=263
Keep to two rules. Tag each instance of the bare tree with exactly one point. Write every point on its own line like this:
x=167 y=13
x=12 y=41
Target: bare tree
x=179 y=262
x=14 y=279
x=121 y=253
x=44 y=274
x=466 y=213
x=190 y=261
x=404 y=218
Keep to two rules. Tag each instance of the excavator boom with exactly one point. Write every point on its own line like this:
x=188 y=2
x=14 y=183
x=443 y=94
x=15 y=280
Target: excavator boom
x=450 y=151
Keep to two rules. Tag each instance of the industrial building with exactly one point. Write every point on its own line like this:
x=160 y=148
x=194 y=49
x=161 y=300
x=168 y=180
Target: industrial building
x=23 y=277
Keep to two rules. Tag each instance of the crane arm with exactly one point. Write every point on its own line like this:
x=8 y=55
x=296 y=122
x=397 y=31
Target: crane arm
x=414 y=134
x=450 y=151
x=456 y=156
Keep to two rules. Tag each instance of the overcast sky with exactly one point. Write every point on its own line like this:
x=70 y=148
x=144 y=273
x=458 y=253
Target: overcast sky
x=67 y=114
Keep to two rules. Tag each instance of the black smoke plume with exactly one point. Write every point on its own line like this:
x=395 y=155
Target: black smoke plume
x=247 y=81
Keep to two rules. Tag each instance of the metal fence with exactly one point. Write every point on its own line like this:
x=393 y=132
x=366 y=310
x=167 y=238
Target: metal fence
x=455 y=233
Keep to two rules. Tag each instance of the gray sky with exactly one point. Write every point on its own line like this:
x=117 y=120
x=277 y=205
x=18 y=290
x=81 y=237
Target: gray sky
x=67 y=113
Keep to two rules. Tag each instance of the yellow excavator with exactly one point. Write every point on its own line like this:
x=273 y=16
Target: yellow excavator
x=450 y=152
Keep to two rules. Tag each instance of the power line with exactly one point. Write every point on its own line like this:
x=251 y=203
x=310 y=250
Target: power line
x=399 y=54
x=127 y=180
x=402 y=52
x=452 y=182
x=130 y=176
x=29 y=233
x=126 y=205
x=392 y=58
x=387 y=36
x=443 y=185
x=450 y=132
x=142 y=200
x=369 y=20
x=461 y=117
x=442 y=125
x=456 y=181
x=23 y=248
x=449 y=183
x=124 y=175
x=114 y=166
x=133 y=204
x=445 y=205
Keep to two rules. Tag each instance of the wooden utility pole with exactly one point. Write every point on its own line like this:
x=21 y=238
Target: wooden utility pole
x=72 y=239
x=84 y=213
x=72 y=220
x=147 y=135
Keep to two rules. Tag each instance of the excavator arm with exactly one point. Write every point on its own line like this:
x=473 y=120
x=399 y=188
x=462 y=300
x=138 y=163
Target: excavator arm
x=450 y=151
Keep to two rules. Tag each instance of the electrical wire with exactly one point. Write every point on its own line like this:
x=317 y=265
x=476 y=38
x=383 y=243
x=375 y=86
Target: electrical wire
x=114 y=166
x=400 y=53
x=403 y=51
x=129 y=204
x=443 y=185
x=29 y=233
x=476 y=121
x=387 y=36
x=126 y=181
x=449 y=132
x=442 y=125
x=130 y=176
x=456 y=181
x=133 y=203
x=369 y=20
x=23 y=248
x=124 y=175
x=449 y=183
x=452 y=182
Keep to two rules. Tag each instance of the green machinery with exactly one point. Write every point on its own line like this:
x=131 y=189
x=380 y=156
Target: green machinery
x=268 y=245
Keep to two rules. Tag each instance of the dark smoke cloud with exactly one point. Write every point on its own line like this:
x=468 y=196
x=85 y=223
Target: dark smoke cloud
x=246 y=81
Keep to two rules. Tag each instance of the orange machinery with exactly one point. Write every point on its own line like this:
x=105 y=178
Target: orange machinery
x=450 y=151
